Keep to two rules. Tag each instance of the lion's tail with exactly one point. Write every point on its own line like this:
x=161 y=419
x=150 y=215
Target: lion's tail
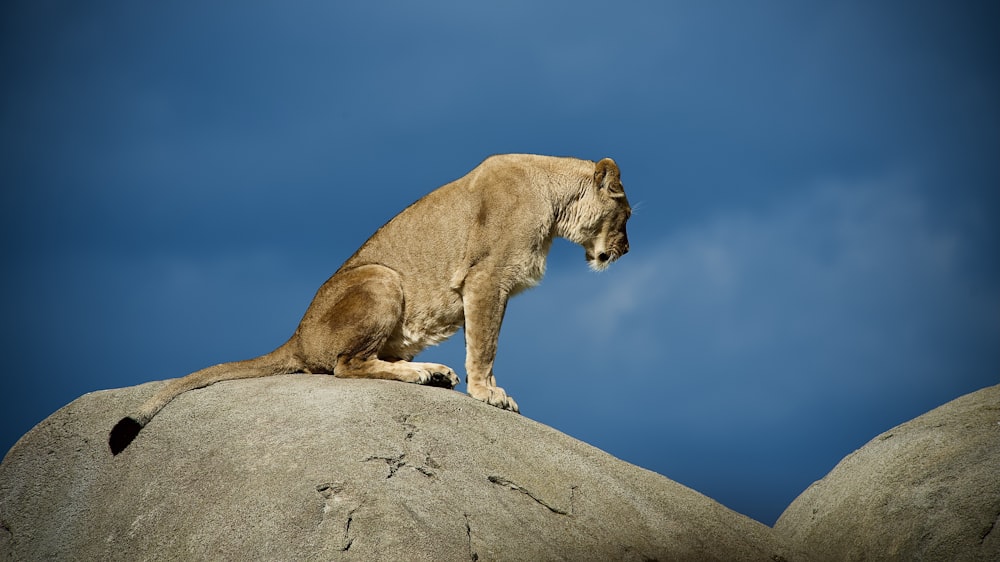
x=278 y=362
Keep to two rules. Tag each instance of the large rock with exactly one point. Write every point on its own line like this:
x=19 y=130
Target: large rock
x=928 y=489
x=315 y=468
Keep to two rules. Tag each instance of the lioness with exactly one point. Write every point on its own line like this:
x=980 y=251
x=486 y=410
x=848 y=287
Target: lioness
x=448 y=261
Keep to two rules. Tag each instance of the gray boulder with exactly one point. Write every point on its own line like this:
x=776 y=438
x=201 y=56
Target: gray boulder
x=928 y=489
x=304 y=467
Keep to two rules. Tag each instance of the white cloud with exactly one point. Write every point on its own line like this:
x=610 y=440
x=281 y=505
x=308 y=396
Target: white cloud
x=846 y=290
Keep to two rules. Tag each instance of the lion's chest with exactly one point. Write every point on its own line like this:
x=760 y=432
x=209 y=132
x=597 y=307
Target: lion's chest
x=531 y=272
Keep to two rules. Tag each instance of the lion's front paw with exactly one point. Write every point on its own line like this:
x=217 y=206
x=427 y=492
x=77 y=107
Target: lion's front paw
x=438 y=375
x=494 y=396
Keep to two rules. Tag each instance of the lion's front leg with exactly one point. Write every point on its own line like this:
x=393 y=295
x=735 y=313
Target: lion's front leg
x=484 y=311
x=491 y=394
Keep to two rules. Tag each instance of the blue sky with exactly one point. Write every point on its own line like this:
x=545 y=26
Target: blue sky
x=816 y=190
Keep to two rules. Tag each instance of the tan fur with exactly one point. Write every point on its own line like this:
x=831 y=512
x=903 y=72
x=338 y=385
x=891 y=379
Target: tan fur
x=450 y=260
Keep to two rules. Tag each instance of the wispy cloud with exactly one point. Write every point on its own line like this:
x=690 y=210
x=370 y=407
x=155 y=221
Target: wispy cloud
x=845 y=291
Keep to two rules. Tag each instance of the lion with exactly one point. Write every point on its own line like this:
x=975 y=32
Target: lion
x=450 y=260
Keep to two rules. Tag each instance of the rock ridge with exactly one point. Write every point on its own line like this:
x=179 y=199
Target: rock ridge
x=310 y=467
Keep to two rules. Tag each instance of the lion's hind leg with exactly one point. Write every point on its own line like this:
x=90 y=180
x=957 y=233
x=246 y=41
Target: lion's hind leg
x=357 y=311
x=374 y=368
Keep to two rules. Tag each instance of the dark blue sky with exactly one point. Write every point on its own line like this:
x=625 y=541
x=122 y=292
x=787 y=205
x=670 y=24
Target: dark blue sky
x=814 y=247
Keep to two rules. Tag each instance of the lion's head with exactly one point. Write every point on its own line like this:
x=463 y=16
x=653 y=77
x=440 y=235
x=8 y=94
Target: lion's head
x=597 y=219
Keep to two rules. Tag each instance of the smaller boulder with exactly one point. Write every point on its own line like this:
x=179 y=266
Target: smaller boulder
x=928 y=489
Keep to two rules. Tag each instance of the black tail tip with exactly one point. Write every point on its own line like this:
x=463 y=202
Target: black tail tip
x=122 y=434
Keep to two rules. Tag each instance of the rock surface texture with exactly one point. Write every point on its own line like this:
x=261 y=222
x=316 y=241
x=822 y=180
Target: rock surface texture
x=928 y=489
x=305 y=467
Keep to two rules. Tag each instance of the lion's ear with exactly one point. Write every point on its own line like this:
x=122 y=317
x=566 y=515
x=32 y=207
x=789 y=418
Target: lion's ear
x=607 y=176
